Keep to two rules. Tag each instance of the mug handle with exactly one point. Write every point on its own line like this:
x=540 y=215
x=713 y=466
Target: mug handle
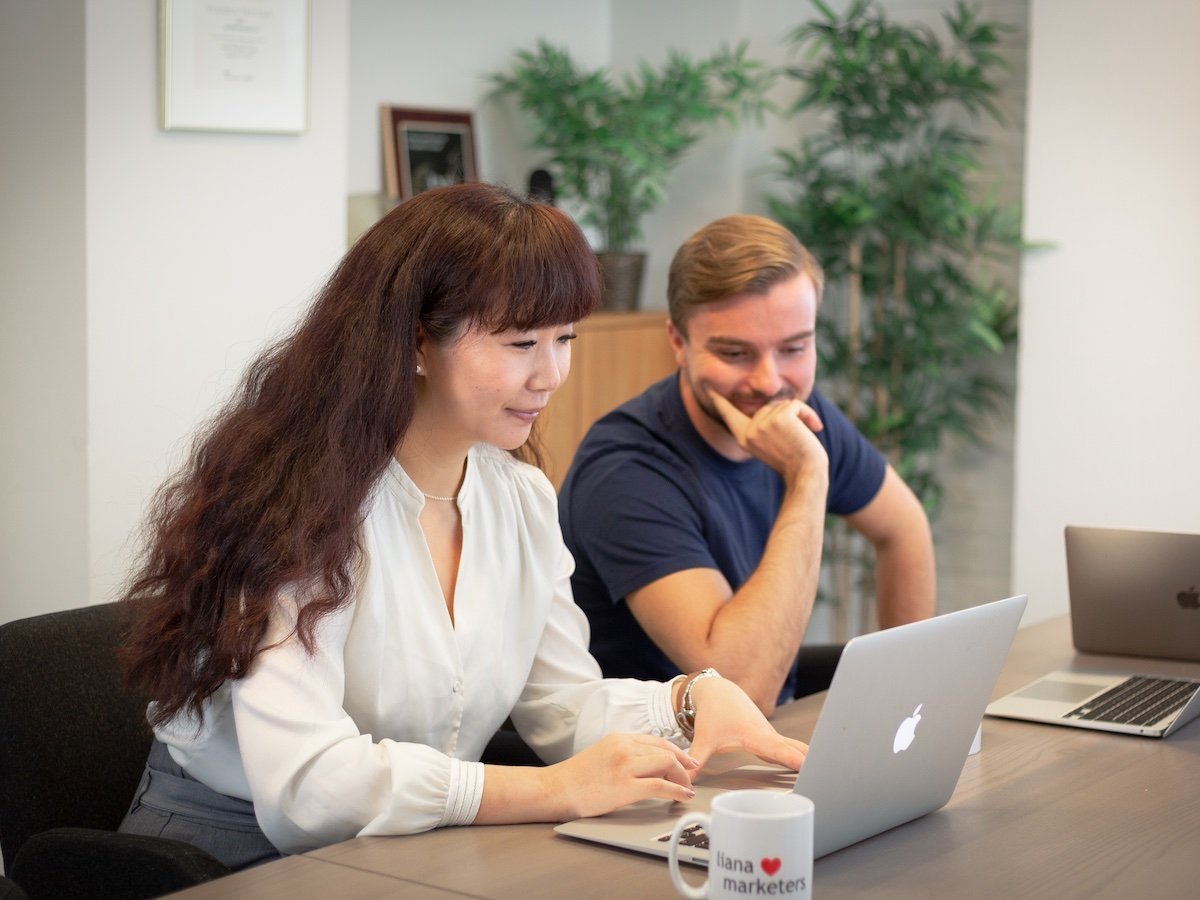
x=688 y=820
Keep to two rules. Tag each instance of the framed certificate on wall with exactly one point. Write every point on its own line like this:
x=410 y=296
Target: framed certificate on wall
x=233 y=66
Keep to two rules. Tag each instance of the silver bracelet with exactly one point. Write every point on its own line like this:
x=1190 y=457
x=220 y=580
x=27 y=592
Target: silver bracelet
x=686 y=717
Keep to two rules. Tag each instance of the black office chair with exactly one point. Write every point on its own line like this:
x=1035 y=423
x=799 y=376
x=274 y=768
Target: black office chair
x=506 y=748
x=73 y=743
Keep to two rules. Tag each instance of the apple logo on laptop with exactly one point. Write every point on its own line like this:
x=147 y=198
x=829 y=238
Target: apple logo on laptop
x=1189 y=599
x=907 y=731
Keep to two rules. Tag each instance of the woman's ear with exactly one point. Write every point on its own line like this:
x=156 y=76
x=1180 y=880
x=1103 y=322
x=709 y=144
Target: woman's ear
x=422 y=342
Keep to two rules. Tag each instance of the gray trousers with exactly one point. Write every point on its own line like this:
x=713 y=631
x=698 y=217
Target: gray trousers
x=171 y=803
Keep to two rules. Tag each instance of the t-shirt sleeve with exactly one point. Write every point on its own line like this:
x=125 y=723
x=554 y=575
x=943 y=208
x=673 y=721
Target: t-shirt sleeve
x=856 y=468
x=634 y=519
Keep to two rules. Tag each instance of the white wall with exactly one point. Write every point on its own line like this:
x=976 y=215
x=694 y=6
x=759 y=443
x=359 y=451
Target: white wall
x=706 y=183
x=156 y=263
x=43 y=392
x=1109 y=370
x=425 y=53
x=200 y=247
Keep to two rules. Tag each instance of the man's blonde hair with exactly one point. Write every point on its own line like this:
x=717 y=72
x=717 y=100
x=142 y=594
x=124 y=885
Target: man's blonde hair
x=735 y=255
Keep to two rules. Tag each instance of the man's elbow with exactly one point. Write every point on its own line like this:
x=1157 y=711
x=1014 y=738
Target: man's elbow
x=766 y=705
x=764 y=696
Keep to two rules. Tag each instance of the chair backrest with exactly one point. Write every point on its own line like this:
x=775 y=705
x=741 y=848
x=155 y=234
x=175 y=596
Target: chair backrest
x=10 y=890
x=73 y=739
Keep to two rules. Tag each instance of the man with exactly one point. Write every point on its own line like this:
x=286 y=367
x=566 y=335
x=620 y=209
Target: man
x=696 y=511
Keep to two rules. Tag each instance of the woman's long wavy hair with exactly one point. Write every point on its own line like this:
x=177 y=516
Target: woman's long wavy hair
x=274 y=491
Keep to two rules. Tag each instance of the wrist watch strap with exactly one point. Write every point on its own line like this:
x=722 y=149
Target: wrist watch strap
x=686 y=717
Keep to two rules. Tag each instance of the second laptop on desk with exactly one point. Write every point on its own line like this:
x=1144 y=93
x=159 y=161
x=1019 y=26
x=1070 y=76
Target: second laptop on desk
x=1132 y=593
x=888 y=747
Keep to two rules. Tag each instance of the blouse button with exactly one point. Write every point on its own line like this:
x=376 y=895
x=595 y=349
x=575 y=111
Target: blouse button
x=456 y=687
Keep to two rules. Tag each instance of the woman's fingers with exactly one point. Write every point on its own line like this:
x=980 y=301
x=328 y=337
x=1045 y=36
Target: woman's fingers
x=664 y=789
x=660 y=759
x=780 y=749
x=767 y=744
x=624 y=768
x=727 y=719
x=660 y=743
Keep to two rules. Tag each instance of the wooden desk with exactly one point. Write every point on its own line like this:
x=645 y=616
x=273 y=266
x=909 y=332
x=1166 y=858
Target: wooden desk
x=301 y=876
x=1041 y=811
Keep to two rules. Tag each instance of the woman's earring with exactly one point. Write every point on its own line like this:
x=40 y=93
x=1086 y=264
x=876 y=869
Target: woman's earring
x=420 y=371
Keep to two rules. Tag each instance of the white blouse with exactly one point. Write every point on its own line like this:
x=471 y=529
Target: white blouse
x=381 y=729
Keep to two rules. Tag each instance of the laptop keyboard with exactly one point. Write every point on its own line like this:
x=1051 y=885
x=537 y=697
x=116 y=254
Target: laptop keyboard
x=1138 y=700
x=695 y=836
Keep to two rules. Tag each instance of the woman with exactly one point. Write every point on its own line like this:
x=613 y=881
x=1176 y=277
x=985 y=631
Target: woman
x=352 y=584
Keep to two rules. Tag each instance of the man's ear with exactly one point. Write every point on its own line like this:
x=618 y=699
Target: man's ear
x=678 y=343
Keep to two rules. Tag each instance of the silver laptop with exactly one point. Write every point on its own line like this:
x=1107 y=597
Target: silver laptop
x=1132 y=593
x=888 y=747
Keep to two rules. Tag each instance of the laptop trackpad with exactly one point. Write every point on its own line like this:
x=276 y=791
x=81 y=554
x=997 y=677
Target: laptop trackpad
x=1061 y=691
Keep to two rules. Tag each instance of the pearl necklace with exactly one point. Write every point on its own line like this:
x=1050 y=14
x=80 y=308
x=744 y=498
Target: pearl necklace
x=436 y=497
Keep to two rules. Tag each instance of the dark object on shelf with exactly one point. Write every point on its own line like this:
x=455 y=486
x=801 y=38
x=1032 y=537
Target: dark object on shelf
x=541 y=186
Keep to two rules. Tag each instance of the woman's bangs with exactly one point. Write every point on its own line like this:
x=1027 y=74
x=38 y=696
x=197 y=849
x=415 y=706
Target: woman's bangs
x=550 y=277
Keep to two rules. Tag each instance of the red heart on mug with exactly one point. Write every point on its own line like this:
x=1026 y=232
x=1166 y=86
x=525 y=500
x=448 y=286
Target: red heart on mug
x=770 y=865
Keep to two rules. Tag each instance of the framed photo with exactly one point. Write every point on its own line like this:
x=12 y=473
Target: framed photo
x=233 y=66
x=425 y=148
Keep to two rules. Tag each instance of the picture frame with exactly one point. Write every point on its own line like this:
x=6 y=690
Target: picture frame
x=425 y=148
x=238 y=67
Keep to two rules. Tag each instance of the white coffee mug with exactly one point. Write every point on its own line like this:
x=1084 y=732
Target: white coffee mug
x=760 y=843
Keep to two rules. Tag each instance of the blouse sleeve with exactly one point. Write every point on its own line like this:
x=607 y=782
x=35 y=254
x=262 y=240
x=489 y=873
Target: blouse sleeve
x=314 y=779
x=567 y=704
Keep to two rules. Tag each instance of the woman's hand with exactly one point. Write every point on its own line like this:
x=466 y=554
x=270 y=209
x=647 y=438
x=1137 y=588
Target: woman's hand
x=624 y=768
x=616 y=770
x=727 y=719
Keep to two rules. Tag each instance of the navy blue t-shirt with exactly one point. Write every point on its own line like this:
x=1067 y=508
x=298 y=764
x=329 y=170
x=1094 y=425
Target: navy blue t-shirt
x=646 y=496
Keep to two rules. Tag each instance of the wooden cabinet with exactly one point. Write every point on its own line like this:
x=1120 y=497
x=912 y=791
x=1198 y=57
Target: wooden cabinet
x=616 y=356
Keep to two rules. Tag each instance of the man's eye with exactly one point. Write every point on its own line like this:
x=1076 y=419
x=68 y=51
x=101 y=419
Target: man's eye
x=795 y=349
x=731 y=355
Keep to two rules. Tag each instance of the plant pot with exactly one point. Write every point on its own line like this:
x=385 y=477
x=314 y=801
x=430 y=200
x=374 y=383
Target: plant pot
x=622 y=279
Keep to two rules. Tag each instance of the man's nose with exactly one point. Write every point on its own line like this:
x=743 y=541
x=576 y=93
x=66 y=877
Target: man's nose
x=765 y=379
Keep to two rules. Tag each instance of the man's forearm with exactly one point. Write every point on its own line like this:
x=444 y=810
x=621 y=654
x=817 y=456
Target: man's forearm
x=756 y=634
x=896 y=526
x=905 y=580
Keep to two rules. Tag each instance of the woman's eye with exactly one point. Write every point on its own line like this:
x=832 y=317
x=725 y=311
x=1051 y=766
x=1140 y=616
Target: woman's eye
x=525 y=345
x=567 y=338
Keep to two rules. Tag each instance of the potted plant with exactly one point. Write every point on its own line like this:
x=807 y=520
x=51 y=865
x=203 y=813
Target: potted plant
x=613 y=143
x=883 y=195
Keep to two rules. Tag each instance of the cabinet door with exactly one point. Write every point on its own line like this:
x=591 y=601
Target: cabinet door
x=616 y=356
